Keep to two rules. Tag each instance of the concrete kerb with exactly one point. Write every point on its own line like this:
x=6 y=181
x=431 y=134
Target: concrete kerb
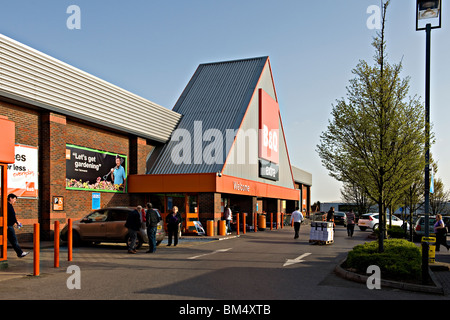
x=352 y=276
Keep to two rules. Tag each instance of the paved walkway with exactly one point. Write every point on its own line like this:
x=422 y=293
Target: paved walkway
x=21 y=267
x=443 y=274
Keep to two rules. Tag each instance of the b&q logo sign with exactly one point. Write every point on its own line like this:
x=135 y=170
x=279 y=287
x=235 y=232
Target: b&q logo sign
x=268 y=127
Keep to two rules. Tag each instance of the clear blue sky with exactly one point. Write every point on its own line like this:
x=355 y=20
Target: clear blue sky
x=152 y=48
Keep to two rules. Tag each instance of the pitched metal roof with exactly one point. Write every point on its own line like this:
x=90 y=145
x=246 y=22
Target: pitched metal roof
x=32 y=77
x=217 y=96
x=301 y=176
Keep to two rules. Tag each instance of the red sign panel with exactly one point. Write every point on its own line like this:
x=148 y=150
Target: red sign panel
x=7 y=141
x=268 y=127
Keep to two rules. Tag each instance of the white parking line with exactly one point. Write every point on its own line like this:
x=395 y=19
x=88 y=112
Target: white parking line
x=210 y=253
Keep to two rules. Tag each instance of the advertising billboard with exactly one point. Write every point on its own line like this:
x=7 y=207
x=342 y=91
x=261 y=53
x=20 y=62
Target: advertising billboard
x=90 y=169
x=23 y=174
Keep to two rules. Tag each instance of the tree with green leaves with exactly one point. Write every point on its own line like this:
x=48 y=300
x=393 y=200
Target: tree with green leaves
x=353 y=193
x=375 y=137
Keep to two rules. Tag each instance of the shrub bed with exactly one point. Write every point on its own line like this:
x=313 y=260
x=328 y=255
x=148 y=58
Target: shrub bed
x=394 y=232
x=401 y=259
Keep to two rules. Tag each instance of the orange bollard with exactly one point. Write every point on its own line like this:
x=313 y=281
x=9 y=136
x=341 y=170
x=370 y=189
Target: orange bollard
x=244 y=223
x=271 y=221
x=222 y=228
x=56 y=245
x=36 y=247
x=282 y=220
x=276 y=221
x=237 y=224
x=255 y=221
x=210 y=228
x=69 y=241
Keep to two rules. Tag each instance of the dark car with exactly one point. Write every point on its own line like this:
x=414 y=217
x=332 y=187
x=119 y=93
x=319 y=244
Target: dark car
x=340 y=218
x=108 y=225
x=419 y=226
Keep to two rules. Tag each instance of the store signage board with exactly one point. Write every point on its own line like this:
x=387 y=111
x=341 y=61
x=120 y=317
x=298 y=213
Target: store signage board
x=90 y=169
x=268 y=128
x=23 y=174
x=268 y=170
x=58 y=203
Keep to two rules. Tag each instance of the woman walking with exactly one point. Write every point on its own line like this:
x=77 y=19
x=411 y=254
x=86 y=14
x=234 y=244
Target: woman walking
x=441 y=233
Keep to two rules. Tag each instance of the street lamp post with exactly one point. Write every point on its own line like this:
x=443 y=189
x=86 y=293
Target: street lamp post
x=429 y=10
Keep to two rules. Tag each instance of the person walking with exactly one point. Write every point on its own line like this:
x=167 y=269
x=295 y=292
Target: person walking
x=441 y=233
x=173 y=222
x=330 y=216
x=297 y=217
x=350 y=223
x=12 y=220
x=133 y=224
x=152 y=220
x=228 y=218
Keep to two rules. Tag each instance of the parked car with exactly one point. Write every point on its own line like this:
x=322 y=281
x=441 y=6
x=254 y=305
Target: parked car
x=419 y=226
x=318 y=216
x=108 y=225
x=340 y=218
x=371 y=221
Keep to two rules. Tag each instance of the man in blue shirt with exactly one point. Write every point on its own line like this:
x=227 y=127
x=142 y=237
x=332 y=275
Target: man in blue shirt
x=118 y=174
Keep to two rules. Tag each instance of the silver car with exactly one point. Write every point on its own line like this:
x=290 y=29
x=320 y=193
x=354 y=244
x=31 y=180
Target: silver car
x=419 y=227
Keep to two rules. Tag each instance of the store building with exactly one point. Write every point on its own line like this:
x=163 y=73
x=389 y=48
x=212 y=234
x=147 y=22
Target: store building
x=222 y=144
x=229 y=149
x=70 y=126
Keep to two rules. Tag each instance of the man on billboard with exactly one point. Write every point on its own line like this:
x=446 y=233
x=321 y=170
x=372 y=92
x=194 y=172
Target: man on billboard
x=118 y=174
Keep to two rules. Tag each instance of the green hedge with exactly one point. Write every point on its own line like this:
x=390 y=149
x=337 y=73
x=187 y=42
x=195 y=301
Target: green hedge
x=396 y=232
x=401 y=259
x=393 y=232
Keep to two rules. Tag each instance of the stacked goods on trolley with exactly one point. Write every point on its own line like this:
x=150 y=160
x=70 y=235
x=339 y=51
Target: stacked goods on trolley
x=321 y=232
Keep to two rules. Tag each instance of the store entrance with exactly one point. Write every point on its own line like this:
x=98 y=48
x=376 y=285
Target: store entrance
x=187 y=204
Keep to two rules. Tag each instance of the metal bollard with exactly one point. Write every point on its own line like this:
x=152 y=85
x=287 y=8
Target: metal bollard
x=56 y=245
x=425 y=248
x=69 y=241
x=271 y=221
x=36 y=247
x=222 y=228
x=237 y=224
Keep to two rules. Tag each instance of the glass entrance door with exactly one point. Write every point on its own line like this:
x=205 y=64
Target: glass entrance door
x=192 y=218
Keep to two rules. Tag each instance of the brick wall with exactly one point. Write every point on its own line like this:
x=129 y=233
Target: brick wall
x=51 y=132
x=79 y=203
x=27 y=133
